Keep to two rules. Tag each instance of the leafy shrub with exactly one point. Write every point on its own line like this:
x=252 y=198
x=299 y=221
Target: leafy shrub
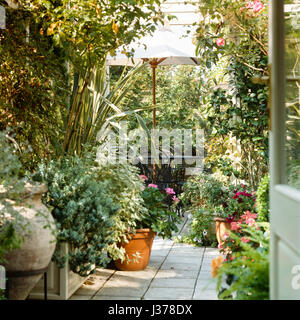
x=202 y=229
x=124 y=185
x=83 y=211
x=246 y=273
x=262 y=199
x=159 y=218
x=202 y=190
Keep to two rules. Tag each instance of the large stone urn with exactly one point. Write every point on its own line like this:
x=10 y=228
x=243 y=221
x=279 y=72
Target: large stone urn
x=25 y=265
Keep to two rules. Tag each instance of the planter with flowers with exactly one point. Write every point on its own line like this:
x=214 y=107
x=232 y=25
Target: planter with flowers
x=239 y=200
x=243 y=270
x=159 y=220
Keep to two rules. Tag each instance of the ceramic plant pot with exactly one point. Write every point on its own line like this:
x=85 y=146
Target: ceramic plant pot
x=141 y=242
x=222 y=227
x=24 y=265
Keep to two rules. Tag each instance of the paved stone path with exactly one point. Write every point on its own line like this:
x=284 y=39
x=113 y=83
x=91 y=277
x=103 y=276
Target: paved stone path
x=176 y=271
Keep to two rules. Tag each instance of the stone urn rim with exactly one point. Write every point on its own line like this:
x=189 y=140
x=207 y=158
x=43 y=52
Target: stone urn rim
x=30 y=189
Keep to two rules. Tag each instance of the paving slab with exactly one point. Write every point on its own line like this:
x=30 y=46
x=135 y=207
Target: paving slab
x=122 y=292
x=179 y=266
x=115 y=298
x=122 y=281
x=205 y=284
x=205 y=295
x=205 y=275
x=173 y=283
x=178 y=274
x=166 y=294
x=147 y=273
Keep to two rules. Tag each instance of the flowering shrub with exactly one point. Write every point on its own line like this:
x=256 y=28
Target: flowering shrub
x=229 y=245
x=160 y=218
x=246 y=269
x=239 y=200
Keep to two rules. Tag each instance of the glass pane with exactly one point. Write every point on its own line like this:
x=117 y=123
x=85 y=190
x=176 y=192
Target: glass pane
x=292 y=15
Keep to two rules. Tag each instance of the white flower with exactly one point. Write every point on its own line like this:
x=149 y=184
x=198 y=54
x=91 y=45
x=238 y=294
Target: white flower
x=190 y=216
x=204 y=233
x=200 y=241
x=267 y=234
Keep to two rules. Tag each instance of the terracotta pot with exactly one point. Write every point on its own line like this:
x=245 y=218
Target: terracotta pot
x=141 y=242
x=37 y=247
x=221 y=228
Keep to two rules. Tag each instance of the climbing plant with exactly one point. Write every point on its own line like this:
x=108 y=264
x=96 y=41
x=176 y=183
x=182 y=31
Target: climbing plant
x=233 y=37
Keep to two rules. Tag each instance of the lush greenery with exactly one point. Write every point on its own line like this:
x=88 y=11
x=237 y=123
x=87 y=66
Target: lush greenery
x=262 y=199
x=201 y=229
x=48 y=53
x=83 y=210
x=160 y=217
x=177 y=96
x=94 y=207
x=232 y=41
x=245 y=269
x=203 y=190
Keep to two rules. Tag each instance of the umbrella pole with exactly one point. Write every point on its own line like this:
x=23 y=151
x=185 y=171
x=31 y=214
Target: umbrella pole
x=153 y=66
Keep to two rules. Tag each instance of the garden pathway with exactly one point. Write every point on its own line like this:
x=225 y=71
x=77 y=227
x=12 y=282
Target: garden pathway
x=176 y=271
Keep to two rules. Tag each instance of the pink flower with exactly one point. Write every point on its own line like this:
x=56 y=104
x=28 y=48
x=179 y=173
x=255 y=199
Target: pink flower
x=235 y=226
x=245 y=240
x=151 y=185
x=220 y=42
x=144 y=177
x=225 y=236
x=258 y=6
x=249 y=4
x=248 y=215
x=175 y=199
x=170 y=191
x=250 y=221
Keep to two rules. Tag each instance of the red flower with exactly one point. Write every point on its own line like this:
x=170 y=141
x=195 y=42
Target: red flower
x=220 y=42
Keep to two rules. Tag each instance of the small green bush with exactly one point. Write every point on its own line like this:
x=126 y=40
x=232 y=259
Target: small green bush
x=125 y=186
x=202 y=230
x=83 y=211
x=262 y=199
x=203 y=190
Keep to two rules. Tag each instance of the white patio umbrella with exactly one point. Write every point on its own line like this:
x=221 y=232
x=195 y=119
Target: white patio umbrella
x=164 y=47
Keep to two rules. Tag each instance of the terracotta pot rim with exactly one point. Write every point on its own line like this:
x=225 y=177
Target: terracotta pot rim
x=220 y=219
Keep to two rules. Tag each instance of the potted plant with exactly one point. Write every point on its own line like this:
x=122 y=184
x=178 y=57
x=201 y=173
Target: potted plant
x=27 y=229
x=158 y=220
x=238 y=201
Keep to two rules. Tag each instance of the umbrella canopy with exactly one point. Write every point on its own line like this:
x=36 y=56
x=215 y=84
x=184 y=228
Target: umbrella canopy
x=163 y=44
x=164 y=47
